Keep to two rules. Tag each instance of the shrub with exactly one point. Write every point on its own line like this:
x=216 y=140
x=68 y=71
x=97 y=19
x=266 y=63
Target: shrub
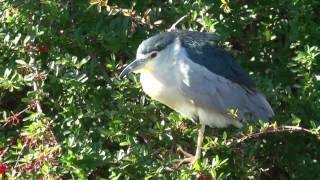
x=65 y=114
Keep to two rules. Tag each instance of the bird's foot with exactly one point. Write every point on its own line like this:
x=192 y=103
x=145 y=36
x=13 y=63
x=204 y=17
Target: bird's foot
x=189 y=158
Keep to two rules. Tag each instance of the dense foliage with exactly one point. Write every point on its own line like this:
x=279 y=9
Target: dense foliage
x=65 y=114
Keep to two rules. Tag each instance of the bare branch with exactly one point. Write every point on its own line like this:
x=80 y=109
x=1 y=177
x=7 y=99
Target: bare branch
x=274 y=130
x=20 y=155
x=173 y=27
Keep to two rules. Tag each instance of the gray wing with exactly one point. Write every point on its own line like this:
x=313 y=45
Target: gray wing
x=216 y=60
x=209 y=90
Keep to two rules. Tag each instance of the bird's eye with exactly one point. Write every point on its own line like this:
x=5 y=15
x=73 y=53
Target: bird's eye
x=153 y=55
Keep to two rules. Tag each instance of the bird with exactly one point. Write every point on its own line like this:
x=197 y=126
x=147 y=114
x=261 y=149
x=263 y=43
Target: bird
x=188 y=72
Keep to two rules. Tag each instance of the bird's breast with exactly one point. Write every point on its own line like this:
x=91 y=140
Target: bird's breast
x=152 y=85
x=167 y=92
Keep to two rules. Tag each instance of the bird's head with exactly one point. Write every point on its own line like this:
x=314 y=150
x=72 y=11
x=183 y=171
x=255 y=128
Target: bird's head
x=151 y=54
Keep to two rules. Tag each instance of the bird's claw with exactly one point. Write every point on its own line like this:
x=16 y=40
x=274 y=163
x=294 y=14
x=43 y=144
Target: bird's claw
x=189 y=158
x=184 y=153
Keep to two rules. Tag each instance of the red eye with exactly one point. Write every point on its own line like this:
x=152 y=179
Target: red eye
x=153 y=55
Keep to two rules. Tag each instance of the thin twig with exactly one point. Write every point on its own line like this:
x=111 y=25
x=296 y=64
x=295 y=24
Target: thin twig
x=34 y=83
x=173 y=27
x=20 y=154
x=4 y=151
x=30 y=106
x=52 y=135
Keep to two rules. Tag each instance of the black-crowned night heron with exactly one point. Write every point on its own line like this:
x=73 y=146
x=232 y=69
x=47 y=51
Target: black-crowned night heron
x=186 y=72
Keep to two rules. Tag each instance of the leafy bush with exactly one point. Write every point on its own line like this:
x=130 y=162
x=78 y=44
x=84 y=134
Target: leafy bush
x=65 y=114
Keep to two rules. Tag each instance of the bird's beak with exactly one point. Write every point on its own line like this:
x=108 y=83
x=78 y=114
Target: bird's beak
x=136 y=64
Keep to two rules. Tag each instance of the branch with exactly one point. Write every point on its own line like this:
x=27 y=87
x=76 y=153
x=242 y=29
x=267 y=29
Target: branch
x=274 y=130
x=20 y=155
x=34 y=83
x=173 y=27
x=35 y=89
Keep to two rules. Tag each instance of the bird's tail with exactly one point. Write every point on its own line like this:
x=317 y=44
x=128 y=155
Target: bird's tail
x=261 y=108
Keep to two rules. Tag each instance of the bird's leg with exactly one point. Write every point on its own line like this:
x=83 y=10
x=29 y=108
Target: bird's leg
x=199 y=141
x=189 y=158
